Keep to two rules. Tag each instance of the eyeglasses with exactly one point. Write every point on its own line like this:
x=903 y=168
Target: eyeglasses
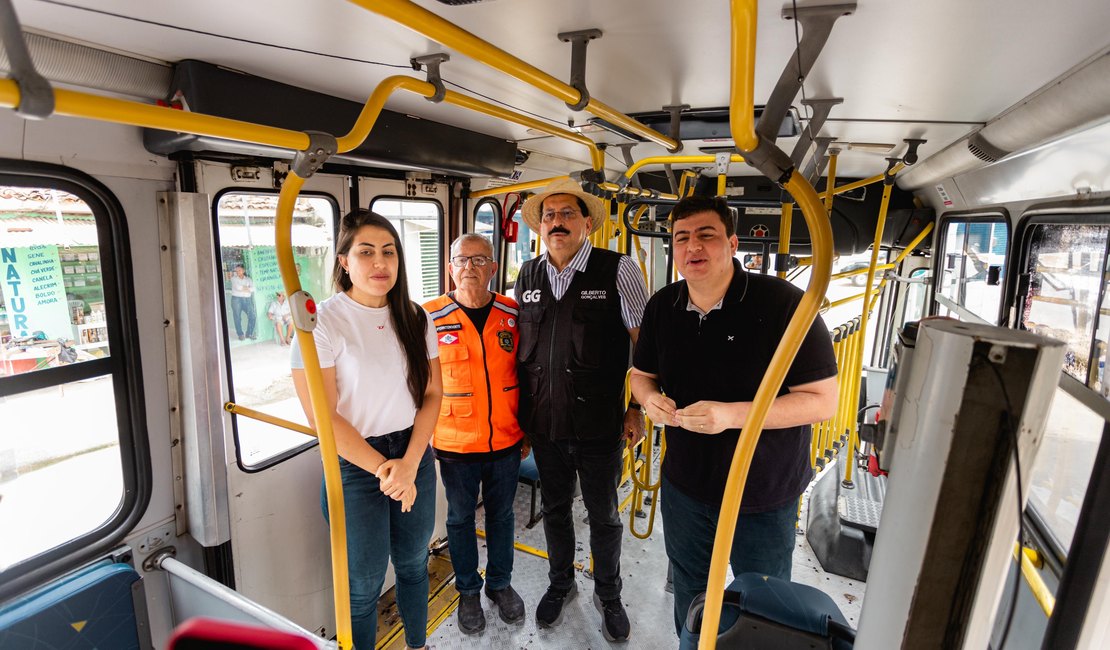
x=567 y=214
x=459 y=261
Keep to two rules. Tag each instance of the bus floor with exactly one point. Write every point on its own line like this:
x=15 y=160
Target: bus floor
x=644 y=573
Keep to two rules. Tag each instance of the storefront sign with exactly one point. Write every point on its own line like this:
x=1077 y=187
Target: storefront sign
x=34 y=293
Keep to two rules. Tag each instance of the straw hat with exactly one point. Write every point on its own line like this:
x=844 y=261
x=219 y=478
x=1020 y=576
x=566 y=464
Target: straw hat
x=599 y=208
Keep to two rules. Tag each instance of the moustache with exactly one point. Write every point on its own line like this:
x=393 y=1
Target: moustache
x=558 y=230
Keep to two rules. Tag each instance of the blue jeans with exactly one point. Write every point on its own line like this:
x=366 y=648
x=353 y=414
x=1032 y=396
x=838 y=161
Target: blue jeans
x=764 y=543
x=378 y=531
x=240 y=304
x=497 y=480
x=597 y=466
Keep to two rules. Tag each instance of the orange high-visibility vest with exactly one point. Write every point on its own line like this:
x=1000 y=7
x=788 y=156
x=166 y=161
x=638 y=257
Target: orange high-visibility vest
x=480 y=391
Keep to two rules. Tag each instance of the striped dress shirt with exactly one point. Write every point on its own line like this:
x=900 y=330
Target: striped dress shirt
x=630 y=283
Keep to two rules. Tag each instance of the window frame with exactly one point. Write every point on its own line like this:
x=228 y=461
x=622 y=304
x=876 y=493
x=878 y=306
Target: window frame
x=1096 y=214
x=123 y=365
x=308 y=444
x=442 y=231
x=498 y=217
x=969 y=218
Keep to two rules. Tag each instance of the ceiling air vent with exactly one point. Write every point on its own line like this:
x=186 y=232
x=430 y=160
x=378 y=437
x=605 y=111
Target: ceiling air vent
x=983 y=150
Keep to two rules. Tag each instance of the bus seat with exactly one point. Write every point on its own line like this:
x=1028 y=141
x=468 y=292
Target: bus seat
x=93 y=607
x=202 y=633
x=766 y=612
x=530 y=475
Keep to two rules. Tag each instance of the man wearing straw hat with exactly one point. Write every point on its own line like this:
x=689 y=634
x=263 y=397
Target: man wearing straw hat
x=580 y=307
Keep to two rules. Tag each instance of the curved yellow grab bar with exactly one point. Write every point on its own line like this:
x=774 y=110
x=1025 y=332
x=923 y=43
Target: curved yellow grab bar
x=675 y=160
x=74 y=103
x=374 y=104
x=321 y=412
x=743 y=126
x=431 y=26
x=742 y=97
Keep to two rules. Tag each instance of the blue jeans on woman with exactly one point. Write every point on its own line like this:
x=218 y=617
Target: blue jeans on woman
x=378 y=531
x=764 y=543
x=497 y=480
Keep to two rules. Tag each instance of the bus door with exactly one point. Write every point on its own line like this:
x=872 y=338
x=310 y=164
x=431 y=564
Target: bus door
x=279 y=545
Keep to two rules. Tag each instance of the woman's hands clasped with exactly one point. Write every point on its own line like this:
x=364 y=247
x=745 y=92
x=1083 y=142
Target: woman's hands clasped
x=398 y=481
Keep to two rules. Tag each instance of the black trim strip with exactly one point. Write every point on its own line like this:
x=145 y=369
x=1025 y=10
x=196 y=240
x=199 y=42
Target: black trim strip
x=38 y=379
x=126 y=371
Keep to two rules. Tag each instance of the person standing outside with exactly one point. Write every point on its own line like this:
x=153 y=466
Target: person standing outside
x=242 y=292
x=704 y=346
x=477 y=440
x=380 y=366
x=580 y=309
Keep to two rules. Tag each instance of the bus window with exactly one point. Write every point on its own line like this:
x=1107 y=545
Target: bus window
x=1063 y=466
x=259 y=327
x=418 y=224
x=486 y=221
x=519 y=252
x=67 y=447
x=964 y=286
x=1065 y=263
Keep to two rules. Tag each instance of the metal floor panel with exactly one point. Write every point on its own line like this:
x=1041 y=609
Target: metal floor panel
x=644 y=570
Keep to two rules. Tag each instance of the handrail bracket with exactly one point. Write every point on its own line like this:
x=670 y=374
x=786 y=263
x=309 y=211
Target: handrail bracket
x=579 y=39
x=431 y=62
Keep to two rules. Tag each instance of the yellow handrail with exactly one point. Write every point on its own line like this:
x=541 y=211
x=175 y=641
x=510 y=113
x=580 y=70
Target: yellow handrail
x=830 y=182
x=239 y=409
x=847 y=274
x=321 y=411
x=515 y=187
x=431 y=26
x=867 y=181
x=844 y=301
x=743 y=133
x=675 y=160
x=786 y=217
x=1029 y=561
x=901 y=256
x=74 y=103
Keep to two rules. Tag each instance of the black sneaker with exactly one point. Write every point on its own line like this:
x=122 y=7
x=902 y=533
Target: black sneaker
x=614 y=620
x=550 y=610
x=471 y=618
x=510 y=606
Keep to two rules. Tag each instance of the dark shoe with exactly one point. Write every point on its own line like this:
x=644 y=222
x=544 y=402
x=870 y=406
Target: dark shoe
x=614 y=620
x=550 y=610
x=472 y=619
x=510 y=606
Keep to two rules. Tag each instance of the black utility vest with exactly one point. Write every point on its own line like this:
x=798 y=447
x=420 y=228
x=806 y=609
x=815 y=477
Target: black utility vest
x=573 y=352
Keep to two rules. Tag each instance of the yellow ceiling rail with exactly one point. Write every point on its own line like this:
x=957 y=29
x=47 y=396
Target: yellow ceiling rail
x=741 y=111
x=374 y=104
x=867 y=181
x=515 y=187
x=433 y=27
x=675 y=160
x=74 y=103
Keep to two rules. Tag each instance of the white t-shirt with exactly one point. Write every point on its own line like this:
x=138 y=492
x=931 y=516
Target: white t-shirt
x=242 y=287
x=371 y=373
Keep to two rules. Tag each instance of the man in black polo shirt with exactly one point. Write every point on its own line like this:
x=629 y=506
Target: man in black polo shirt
x=705 y=342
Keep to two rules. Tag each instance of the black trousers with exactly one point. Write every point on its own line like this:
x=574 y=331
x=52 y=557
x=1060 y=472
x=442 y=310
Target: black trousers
x=597 y=466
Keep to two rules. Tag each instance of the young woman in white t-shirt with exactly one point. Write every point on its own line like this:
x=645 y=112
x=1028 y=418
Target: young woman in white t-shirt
x=378 y=353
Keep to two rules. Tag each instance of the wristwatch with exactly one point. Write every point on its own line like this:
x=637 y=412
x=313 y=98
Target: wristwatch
x=635 y=406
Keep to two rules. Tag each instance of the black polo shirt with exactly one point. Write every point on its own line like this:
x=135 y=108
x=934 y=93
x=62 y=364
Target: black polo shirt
x=722 y=357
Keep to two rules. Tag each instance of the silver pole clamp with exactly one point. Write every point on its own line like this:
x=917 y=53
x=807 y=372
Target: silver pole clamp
x=36 y=96
x=431 y=62
x=321 y=146
x=579 y=40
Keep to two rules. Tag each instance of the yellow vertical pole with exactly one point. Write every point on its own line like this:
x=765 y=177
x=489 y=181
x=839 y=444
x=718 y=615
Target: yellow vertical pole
x=722 y=181
x=785 y=223
x=283 y=236
x=830 y=182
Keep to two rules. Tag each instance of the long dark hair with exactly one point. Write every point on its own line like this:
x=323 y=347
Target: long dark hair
x=409 y=319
